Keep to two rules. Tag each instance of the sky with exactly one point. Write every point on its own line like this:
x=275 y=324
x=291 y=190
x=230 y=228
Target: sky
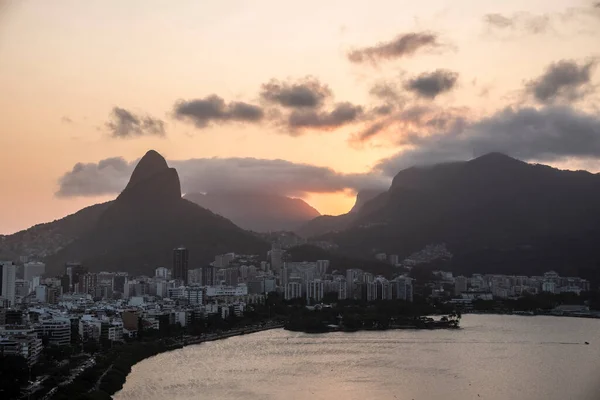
x=307 y=99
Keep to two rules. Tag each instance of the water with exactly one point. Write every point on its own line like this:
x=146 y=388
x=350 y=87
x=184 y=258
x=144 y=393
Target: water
x=492 y=357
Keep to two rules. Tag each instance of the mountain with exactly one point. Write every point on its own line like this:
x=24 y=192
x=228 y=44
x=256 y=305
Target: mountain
x=495 y=214
x=137 y=232
x=260 y=212
x=329 y=223
x=363 y=197
x=45 y=239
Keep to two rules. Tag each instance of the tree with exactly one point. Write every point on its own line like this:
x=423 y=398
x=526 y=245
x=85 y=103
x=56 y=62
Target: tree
x=14 y=373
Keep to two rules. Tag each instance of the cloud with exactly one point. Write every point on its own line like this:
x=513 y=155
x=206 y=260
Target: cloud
x=214 y=110
x=562 y=81
x=306 y=93
x=402 y=46
x=411 y=121
x=342 y=114
x=430 y=85
x=547 y=134
x=387 y=91
x=204 y=175
x=522 y=21
x=108 y=176
x=125 y=124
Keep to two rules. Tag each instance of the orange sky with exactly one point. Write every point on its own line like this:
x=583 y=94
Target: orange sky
x=79 y=59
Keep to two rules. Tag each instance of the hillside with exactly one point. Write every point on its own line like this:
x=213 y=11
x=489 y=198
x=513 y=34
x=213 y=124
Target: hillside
x=138 y=231
x=260 y=212
x=46 y=239
x=495 y=213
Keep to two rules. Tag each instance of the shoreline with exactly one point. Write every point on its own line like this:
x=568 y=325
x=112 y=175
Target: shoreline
x=113 y=376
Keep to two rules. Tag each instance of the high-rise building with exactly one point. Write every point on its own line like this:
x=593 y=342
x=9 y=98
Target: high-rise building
x=293 y=290
x=314 y=290
x=75 y=272
x=460 y=285
x=276 y=258
x=89 y=283
x=180 y=264
x=32 y=269
x=394 y=259
x=208 y=275
x=119 y=282
x=322 y=267
x=7 y=281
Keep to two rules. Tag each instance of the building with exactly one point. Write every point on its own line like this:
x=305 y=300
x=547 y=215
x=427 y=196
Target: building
x=322 y=267
x=314 y=291
x=32 y=269
x=381 y=256
x=208 y=276
x=394 y=259
x=293 y=290
x=21 y=343
x=89 y=283
x=460 y=285
x=7 y=281
x=75 y=272
x=402 y=289
x=58 y=331
x=162 y=272
x=276 y=258
x=195 y=276
x=180 y=264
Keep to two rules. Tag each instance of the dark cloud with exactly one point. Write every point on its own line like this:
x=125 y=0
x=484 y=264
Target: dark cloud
x=402 y=46
x=525 y=22
x=341 y=114
x=110 y=176
x=412 y=120
x=386 y=91
x=430 y=85
x=125 y=124
x=213 y=109
x=307 y=93
x=562 y=81
x=547 y=134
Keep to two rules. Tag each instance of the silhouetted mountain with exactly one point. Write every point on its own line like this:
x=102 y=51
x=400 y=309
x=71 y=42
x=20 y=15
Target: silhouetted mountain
x=45 y=239
x=363 y=197
x=495 y=214
x=138 y=231
x=329 y=223
x=260 y=212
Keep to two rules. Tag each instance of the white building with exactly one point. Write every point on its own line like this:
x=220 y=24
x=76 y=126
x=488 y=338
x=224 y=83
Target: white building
x=239 y=290
x=9 y=272
x=293 y=290
x=314 y=290
x=549 y=286
x=162 y=272
x=57 y=330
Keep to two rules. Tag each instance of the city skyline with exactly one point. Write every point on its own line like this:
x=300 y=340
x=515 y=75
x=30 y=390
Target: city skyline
x=365 y=91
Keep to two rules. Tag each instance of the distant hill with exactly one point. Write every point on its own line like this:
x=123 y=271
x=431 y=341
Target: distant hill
x=329 y=223
x=137 y=232
x=260 y=212
x=495 y=213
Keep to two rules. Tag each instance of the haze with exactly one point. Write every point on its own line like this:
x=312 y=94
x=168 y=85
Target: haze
x=306 y=99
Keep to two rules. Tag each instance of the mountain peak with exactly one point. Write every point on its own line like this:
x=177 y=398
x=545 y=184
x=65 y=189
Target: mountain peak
x=151 y=164
x=152 y=179
x=495 y=157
